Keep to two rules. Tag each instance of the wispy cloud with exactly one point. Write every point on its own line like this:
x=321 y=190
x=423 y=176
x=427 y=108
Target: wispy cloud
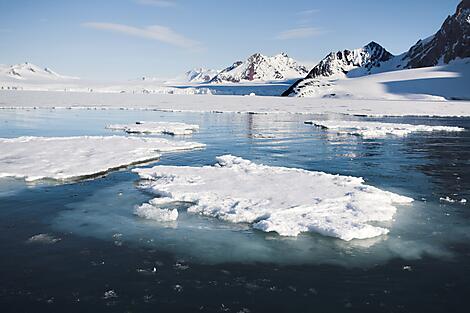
x=154 y=32
x=301 y=32
x=158 y=3
x=308 y=12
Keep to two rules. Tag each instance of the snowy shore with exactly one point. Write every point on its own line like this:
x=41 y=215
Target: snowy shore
x=201 y=103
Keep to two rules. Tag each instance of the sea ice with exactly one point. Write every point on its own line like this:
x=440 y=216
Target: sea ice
x=377 y=129
x=156 y=127
x=43 y=239
x=279 y=199
x=65 y=158
x=149 y=211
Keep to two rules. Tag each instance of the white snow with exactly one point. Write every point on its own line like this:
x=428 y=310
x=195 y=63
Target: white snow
x=45 y=99
x=68 y=158
x=288 y=201
x=377 y=129
x=171 y=128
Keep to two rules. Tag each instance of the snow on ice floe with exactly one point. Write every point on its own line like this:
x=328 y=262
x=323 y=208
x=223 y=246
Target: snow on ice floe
x=65 y=158
x=169 y=128
x=273 y=199
x=377 y=129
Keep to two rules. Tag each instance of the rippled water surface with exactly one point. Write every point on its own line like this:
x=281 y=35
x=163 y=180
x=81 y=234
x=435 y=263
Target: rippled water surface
x=202 y=264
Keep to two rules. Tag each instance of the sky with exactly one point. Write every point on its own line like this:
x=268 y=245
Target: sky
x=127 y=39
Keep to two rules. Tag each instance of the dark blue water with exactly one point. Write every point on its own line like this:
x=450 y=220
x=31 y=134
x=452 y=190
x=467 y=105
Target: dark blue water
x=201 y=264
x=272 y=89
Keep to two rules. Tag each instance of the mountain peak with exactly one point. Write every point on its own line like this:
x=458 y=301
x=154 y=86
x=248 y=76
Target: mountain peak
x=452 y=41
x=342 y=62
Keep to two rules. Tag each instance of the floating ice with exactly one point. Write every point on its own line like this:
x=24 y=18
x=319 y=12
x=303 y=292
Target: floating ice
x=43 y=239
x=377 y=130
x=64 y=158
x=450 y=200
x=156 y=127
x=279 y=199
x=151 y=212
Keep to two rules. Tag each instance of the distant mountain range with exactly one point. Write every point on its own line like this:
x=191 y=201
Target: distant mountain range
x=28 y=71
x=451 y=42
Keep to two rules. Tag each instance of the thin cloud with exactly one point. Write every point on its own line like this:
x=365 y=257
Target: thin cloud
x=308 y=12
x=157 y=3
x=154 y=32
x=298 y=33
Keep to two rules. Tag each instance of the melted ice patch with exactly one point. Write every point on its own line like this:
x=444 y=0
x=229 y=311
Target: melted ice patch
x=169 y=128
x=288 y=201
x=64 y=158
x=377 y=129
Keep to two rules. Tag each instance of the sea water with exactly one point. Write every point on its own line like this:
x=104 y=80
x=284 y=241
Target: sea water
x=97 y=255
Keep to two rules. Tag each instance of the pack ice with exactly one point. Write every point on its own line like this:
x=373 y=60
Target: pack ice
x=169 y=128
x=278 y=199
x=65 y=158
x=377 y=130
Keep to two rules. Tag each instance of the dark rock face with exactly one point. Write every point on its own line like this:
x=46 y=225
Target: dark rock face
x=452 y=41
x=342 y=61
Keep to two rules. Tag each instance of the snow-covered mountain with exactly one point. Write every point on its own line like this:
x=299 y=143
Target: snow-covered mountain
x=451 y=42
x=259 y=67
x=338 y=64
x=28 y=71
x=200 y=75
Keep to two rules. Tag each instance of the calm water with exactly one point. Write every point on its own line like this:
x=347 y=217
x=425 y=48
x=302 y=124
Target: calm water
x=201 y=264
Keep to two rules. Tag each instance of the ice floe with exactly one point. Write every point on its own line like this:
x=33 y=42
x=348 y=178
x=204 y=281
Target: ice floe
x=367 y=129
x=150 y=211
x=66 y=158
x=43 y=239
x=169 y=128
x=278 y=199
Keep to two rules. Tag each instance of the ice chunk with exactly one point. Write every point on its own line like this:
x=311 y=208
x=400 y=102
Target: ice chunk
x=377 y=130
x=152 y=212
x=156 y=127
x=43 y=239
x=66 y=158
x=279 y=199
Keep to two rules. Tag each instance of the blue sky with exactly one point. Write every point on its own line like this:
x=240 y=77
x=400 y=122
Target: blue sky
x=125 y=39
